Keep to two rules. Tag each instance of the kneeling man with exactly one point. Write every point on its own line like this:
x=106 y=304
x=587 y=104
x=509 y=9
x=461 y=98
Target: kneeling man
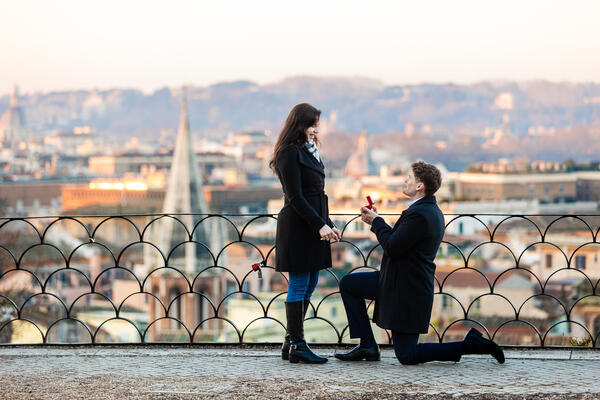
x=403 y=288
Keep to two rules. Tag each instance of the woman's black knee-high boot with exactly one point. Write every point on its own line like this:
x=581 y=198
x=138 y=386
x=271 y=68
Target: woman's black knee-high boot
x=285 y=348
x=299 y=350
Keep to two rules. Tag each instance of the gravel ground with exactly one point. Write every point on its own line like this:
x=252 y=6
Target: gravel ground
x=221 y=373
x=113 y=387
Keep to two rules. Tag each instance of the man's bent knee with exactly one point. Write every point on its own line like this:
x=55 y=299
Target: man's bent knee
x=345 y=284
x=407 y=359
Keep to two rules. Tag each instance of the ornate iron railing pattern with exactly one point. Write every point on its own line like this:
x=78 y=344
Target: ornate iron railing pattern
x=545 y=306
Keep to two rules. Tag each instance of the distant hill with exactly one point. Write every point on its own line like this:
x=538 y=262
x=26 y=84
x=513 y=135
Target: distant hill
x=354 y=104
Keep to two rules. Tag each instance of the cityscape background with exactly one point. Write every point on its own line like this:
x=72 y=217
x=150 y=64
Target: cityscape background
x=514 y=132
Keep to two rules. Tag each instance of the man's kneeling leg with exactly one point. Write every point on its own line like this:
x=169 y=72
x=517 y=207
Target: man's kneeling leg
x=408 y=352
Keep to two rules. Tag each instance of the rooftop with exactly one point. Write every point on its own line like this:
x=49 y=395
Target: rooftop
x=257 y=372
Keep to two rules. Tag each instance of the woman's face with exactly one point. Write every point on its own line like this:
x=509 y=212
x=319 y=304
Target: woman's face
x=312 y=131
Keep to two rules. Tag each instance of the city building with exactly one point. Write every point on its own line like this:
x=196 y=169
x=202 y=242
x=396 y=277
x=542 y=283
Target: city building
x=359 y=163
x=119 y=165
x=31 y=196
x=12 y=122
x=81 y=141
x=549 y=188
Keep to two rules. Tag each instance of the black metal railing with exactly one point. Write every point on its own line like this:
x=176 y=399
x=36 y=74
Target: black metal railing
x=526 y=280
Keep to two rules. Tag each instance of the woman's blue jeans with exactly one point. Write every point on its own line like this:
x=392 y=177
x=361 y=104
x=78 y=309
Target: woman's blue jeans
x=301 y=285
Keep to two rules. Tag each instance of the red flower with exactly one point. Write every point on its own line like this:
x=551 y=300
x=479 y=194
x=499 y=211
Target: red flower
x=256 y=267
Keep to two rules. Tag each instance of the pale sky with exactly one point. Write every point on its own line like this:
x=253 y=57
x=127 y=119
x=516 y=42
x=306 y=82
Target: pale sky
x=83 y=44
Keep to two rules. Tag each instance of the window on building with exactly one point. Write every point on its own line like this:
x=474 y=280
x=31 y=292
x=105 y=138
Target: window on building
x=476 y=305
x=580 y=262
x=200 y=306
x=230 y=287
x=548 y=260
x=596 y=326
x=446 y=303
x=175 y=311
x=246 y=289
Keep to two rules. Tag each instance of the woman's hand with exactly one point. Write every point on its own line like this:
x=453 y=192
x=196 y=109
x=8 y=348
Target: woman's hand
x=338 y=233
x=328 y=234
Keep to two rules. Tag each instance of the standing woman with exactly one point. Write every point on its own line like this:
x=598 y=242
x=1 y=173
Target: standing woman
x=304 y=229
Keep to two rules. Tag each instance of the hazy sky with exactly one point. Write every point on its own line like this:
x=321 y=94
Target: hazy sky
x=49 y=45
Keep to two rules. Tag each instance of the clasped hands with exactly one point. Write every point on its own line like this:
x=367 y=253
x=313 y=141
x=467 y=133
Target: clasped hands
x=333 y=235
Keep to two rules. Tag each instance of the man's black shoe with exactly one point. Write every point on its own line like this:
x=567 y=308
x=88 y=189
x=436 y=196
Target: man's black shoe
x=475 y=343
x=370 y=353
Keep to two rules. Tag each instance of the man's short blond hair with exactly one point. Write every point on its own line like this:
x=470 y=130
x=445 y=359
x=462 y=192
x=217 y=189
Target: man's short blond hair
x=429 y=175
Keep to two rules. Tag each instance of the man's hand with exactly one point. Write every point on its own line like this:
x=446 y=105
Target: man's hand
x=367 y=215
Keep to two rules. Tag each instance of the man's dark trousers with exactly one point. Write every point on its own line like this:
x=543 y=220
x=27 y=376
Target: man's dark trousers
x=357 y=287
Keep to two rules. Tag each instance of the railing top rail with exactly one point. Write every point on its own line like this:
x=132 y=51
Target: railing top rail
x=3 y=218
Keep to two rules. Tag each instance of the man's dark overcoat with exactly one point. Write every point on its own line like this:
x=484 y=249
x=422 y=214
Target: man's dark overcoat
x=406 y=280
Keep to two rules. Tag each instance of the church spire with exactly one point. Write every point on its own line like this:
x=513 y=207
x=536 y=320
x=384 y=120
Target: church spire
x=185 y=185
x=14 y=97
x=12 y=122
x=184 y=123
x=185 y=195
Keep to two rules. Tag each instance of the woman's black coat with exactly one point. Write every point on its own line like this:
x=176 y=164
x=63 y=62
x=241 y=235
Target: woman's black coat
x=299 y=247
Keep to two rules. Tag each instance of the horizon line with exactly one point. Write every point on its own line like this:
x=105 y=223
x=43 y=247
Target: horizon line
x=497 y=81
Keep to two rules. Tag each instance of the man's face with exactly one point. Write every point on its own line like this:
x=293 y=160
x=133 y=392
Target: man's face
x=411 y=185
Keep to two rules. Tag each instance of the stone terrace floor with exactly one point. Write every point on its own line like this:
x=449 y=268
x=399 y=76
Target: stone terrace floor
x=179 y=372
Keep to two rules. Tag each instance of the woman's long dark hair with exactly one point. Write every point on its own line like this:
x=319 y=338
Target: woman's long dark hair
x=302 y=117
